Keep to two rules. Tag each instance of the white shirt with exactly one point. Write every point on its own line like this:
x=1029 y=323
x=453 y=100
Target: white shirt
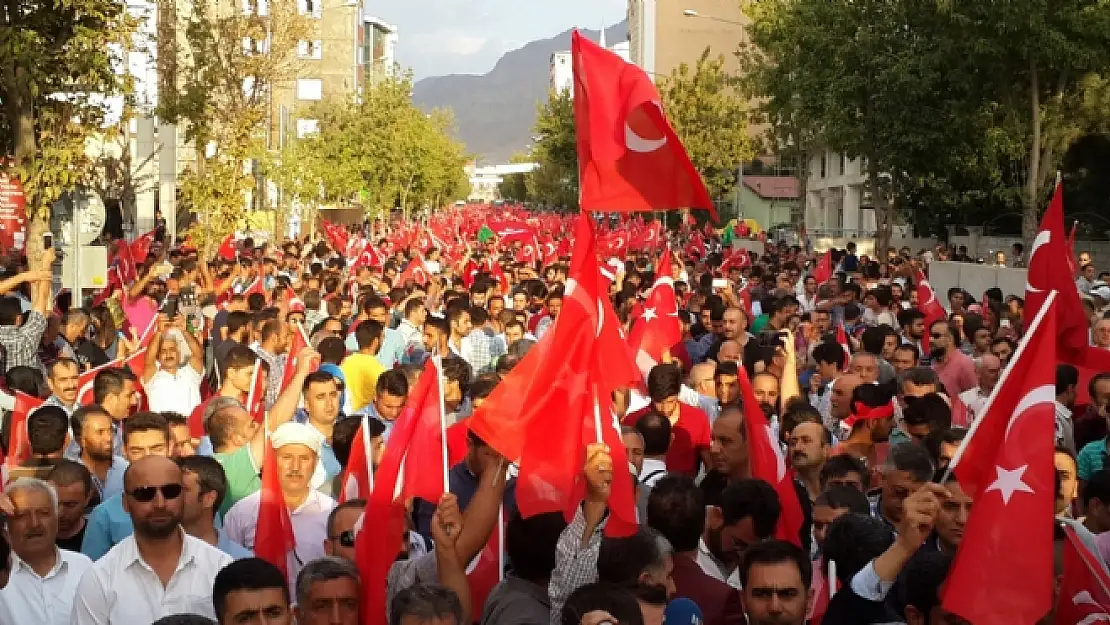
x=47 y=600
x=653 y=471
x=310 y=528
x=174 y=392
x=122 y=589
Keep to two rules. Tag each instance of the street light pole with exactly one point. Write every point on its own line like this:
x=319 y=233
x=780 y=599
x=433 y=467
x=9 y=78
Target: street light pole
x=693 y=13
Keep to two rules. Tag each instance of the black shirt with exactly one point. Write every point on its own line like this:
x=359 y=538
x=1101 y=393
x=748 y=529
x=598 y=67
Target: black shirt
x=73 y=543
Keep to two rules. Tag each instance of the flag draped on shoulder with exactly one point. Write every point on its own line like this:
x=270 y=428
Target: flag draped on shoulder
x=274 y=538
x=629 y=157
x=1006 y=465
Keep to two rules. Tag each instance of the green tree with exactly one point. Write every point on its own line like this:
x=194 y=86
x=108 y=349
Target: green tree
x=555 y=181
x=58 y=82
x=711 y=119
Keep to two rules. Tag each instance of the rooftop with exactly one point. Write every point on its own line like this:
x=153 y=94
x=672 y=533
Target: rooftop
x=773 y=187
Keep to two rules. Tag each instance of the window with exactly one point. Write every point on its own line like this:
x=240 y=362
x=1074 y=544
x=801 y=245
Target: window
x=310 y=8
x=306 y=127
x=256 y=7
x=310 y=49
x=824 y=164
x=309 y=89
x=841 y=163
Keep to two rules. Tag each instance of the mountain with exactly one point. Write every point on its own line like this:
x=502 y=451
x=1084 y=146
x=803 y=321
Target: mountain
x=494 y=112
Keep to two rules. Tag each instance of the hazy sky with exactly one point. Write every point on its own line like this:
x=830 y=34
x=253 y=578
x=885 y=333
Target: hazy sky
x=439 y=37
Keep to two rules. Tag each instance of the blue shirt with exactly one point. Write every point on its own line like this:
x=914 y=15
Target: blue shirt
x=232 y=548
x=392 y=351
x=327 y=454
x=372 y=412
x=108 y=525
x=463 y=484
x=113 y=481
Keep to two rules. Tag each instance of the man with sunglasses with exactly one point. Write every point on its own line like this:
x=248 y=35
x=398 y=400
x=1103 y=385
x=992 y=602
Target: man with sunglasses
x=341 y=528
x=159 y=570
x=955 y=369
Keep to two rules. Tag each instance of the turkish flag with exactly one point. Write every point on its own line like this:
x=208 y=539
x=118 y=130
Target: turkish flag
x=767 y=463
x=842 y=340
x=648 y=238
x=552 y=403
x=298 y=342
x=358 y=474
x=140 y=247
x=1084 y=595
x=256 y=405
x=19 y=445
x=368 y=256
x=927 y=303
x=658 y=329
x=135 y=362
x=273 y=538
x=337 y=235
x=823 y=272
x=227 y=250
x=377 y=547
x=415 y=271
x=124 y=260
x=527 y=253
x=1005 y=464
x=425 y=462
x=629 y=157
x=695 y=247
x=486 y=570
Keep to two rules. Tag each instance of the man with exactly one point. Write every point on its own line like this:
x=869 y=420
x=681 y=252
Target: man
x=483 y=347
x=412 y=328
x=830 y=359
x=328 y=593
x=844 y=470
x=765 y=386
x=951 y=519
x=912 y=323
x=123 y=587
x=184 y=445
x=633 y=442
x=726 y=380
x=390 y=396
x=987 y=369
x=676 y=509
x=144 y=434
x=169 y=385
x=341 y=524
x=833 y=503
x=297 y=450
x=1067 y=382
x=74 y=326
x=1003 y=347
x=809 y=447
x=905 y=357
x=20 y=336
x=907 y=469
x=94 y=430
x=43 y=577
x=394 y=344
x=428 y=603
x=361 y=369
x=530 y=545
x=253 y=591
x=62 y=377
x=74 y=486
x=655 y=430
x=466 y=479
x=321 y=410
x=955 y=369
x=274 y=340
x=48 y=434
x=205 y=487
x=749 y=512
x=776 y=577
x=865 y=366
x=115 y=393
x=1086 y=278
x=840 y=401
x=690 y=425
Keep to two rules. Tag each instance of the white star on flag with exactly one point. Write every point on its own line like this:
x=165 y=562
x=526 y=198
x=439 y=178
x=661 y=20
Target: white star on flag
x=1009 y=482
x=649 y=314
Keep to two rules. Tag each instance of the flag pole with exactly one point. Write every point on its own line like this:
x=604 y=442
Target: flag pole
x=438 y=362
x=254 y=383
x=366 y=451
x=501 y=542
x=597 y=419
x=1034 y=326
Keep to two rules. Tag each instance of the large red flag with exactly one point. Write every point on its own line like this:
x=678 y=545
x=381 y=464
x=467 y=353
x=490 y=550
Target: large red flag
x=415 y=271
x=256 y=405
x=1005 y=464
x=629 y=157
x=824 y=270
x=426 y=460
x=227 y=250
x=1084 y=595
x=19 y=446
x=1049 y=270
x=298 y=343
x=767 y=463
x=357 y=479
x=376 y=549
x=140 y=247
x=658 y=329
x=558 y=398
x=273 y=538
x=927 y=303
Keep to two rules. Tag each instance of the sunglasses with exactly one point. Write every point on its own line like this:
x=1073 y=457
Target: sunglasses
x=938 y=335
x=146 y=494
x=346 y=539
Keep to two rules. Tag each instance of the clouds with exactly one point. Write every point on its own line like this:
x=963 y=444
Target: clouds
x=468 y=36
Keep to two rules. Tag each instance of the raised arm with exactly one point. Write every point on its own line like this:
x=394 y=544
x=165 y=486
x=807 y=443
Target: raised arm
x=196 y=350
x=286 y=405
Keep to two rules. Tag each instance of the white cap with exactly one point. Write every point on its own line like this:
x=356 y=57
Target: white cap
x=292 y=433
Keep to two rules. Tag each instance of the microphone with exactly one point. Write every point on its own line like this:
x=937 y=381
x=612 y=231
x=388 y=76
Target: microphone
x=682 y=611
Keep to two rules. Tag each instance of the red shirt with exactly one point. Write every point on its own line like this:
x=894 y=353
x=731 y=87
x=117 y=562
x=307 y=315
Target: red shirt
x=690 y=436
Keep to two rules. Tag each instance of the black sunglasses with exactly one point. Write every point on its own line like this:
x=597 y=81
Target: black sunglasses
x=937 y=336
x=145 y=494
x=347 y=538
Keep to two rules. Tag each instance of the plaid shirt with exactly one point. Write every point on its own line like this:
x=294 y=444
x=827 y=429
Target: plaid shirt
x=575 y=565
x=274 y=378
x=481 y=350
x=22 y=342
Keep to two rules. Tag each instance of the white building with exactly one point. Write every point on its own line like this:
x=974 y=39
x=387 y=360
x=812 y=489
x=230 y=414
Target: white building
x=485 y=182
x=562 y=73
x=378 y=47
x=837 y=201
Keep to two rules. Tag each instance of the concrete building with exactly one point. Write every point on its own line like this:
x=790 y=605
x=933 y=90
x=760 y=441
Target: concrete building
x=837 y=202
x=485 y=182
x=377 y=48
x=770 y=200
x=662 y=34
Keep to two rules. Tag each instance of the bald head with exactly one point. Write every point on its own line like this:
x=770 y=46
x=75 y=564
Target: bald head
x=153 y=488
x=987 y=361
x=987 y=369
x=151 y=471
x=841 y=401
x=729 y=352
x=701 y=378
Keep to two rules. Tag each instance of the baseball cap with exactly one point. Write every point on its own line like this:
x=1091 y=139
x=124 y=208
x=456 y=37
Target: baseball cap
x=302 y=434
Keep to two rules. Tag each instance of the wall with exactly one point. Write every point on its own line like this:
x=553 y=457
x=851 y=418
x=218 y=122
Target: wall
x=975 y=279
x=867 y=246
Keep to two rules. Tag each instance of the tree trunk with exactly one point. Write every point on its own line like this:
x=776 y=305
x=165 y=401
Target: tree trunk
x=881 y=207
x=1030 y=213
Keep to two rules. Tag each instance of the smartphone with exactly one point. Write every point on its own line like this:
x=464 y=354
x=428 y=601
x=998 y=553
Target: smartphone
x=720 y=283
x=169 y=307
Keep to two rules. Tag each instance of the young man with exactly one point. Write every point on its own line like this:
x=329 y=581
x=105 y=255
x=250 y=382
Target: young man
x=251 y=590
x=73 y=484
x=361 y=369
x=205 y=488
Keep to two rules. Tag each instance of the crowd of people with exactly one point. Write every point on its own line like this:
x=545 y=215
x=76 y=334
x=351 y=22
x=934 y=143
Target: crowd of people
x=137 y=497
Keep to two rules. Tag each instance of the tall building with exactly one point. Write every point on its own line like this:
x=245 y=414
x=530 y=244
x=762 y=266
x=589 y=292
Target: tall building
x=562 y=74
x=377 y=49
x=662 y=34
x=837 y=200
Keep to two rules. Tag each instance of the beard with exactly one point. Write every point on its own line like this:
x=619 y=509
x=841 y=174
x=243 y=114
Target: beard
x=99 y=455
x=158 y=528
